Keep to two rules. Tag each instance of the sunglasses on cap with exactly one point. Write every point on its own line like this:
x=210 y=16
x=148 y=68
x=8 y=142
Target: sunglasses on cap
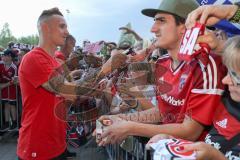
x=235 y=78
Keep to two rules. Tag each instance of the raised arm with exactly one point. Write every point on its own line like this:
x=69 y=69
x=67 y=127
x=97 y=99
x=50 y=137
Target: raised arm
x=211 y=14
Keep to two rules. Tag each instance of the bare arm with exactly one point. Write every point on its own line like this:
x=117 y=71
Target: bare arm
x=119 y=130
x=58 y=85
x=87 y=86
x=214 y=43
x=48 y=87
x=151 y=116
x=189 y=129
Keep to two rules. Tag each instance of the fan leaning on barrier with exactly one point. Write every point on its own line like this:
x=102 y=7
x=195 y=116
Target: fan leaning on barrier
x=61 y=82
x=88 y=86
x=150 y=70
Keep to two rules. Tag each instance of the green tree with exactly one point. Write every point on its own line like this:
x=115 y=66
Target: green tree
x=32 y=39
x=6 y=35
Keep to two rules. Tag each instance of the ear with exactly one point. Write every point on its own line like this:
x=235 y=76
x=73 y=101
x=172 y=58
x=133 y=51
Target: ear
x=182 y=29
x=45 y=27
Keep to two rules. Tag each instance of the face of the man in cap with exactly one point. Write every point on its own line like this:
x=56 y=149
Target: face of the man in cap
x=167 y=33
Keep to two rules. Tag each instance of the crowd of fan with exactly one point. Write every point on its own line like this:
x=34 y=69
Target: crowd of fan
x=94 y=55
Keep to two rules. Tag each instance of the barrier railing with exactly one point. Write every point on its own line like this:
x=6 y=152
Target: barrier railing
x=18 y=99
x=1 y=109
x=138 y=152
x=18 y=107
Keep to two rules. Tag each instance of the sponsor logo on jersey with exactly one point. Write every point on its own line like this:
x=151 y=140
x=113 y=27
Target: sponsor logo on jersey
x=172 y=100
x=229 y=155
x=214 y=144
x=222 y=123
x=182 y=81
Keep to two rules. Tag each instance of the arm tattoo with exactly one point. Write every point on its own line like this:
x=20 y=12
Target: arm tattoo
x=48 y=87
x=55 y=83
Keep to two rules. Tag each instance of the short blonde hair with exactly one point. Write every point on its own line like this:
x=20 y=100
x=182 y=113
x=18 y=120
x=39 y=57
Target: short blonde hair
x=231 y=53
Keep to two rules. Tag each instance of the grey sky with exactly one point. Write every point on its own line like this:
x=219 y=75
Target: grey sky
x=88 y=19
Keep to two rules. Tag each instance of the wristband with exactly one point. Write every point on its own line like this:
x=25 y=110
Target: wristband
x=236 y=16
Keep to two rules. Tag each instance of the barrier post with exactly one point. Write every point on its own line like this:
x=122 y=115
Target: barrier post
x=17 y=105
x=1 y=107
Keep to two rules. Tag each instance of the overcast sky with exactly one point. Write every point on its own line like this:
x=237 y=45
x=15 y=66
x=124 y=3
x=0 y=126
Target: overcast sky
x=88 y=19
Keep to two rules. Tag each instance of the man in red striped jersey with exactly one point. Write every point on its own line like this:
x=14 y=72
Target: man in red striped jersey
x=187 y=110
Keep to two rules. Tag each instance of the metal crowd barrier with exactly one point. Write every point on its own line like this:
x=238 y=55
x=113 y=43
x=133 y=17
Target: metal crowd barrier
x=18 y=99
x=18 y=107
x=1 y=109
x=139 y=152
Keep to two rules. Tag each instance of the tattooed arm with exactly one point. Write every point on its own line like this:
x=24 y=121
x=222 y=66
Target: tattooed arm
x=57 y=84
x=85 y=86
x=48 y=87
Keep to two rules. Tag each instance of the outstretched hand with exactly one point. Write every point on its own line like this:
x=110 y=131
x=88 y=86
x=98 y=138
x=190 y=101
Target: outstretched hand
x=210 y=14
x=204 y=151
x=156 y=138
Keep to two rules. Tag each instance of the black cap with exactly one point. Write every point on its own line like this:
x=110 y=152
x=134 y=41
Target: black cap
x=9 y=52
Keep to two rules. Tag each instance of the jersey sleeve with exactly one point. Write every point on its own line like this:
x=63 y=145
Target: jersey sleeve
x=206 y=92
x=36 y=69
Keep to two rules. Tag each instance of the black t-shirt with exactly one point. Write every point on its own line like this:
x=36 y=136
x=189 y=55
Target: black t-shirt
x=226 y=125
